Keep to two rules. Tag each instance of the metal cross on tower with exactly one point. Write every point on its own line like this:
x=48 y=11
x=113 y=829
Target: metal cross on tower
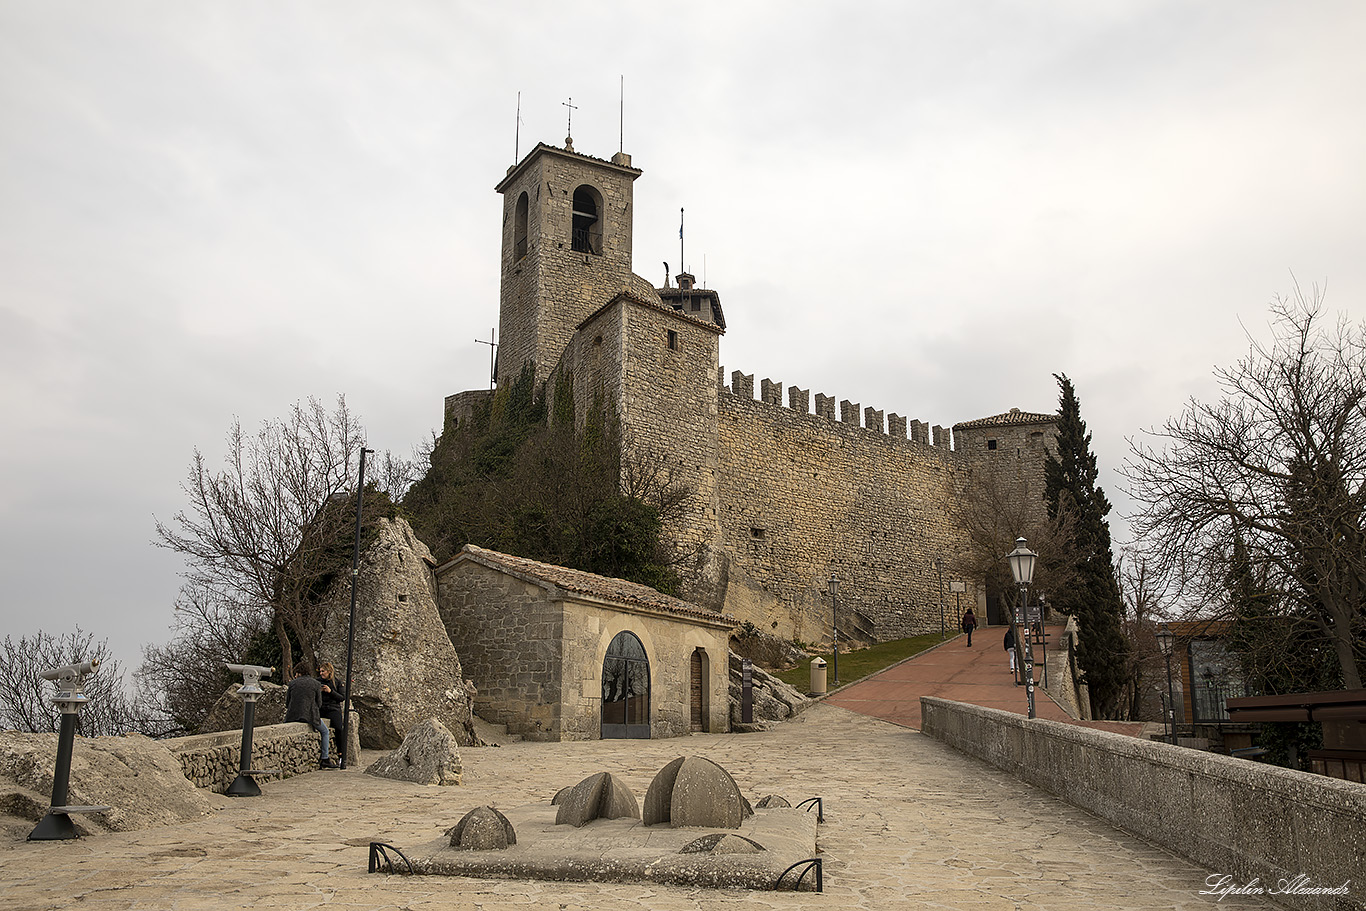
x=493 y=348
x=569 y=129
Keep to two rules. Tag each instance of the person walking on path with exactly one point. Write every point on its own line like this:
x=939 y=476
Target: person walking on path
x=304 y=702
x=969 y=624
x=1010 y=648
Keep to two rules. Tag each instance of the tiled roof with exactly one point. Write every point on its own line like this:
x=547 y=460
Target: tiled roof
x=577 y=581
x=1012 y=417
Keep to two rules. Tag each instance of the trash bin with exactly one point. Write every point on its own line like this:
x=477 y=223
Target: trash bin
x=817 y=676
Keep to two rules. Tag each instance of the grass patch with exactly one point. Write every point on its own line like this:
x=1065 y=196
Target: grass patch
x=859 y=664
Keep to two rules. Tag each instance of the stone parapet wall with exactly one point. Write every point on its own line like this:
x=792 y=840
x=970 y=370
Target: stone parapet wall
x=1238 y=818
x=212 y=761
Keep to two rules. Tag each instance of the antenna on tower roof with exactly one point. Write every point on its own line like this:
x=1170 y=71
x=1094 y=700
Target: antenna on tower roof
x=517 y=132
x=621 y=116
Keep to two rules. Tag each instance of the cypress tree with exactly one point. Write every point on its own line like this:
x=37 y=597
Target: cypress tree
x=1070 y=489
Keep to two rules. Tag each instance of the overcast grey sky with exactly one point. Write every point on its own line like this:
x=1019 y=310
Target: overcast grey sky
x=211 y=210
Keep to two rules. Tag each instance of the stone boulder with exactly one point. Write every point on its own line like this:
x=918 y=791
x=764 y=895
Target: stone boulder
x=773 y=699
x=429 y=754
x=137 y=777
x=405 y=669
x=226 y=714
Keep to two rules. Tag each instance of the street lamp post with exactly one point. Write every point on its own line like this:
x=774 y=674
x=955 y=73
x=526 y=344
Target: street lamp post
x=351 y=622
x=835 y=625
x=1021 y=561
x=1043 y=630
x=1165 y=638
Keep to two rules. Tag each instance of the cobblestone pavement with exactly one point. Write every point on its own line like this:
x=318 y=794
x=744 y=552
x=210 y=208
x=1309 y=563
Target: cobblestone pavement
x=909 y=823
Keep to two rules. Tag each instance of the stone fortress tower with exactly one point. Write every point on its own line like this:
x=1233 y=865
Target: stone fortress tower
x=782 y=497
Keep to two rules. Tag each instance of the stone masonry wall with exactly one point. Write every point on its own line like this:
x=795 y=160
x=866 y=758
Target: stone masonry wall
x=669 y=645
x=508 y=636
x=801 y=496
x=212 y=760
x=546 y=293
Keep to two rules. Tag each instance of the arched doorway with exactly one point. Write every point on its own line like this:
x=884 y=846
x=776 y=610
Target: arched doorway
x=626 y=689
x=698 y=701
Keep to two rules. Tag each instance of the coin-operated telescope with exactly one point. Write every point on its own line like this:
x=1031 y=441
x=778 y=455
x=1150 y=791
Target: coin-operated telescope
x=70 y=696
x=244 y=785
x=251 y=679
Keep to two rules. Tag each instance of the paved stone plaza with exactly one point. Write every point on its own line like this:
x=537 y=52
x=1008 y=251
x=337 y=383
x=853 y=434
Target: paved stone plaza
x=909 y=823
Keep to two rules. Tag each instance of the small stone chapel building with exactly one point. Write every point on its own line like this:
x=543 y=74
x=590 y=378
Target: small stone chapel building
x=561 y=654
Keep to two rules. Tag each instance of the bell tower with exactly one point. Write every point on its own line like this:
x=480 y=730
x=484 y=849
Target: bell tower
x=566 y=250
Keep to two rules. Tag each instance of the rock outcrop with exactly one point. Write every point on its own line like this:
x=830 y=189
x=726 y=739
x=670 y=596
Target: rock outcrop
x=136 y=776
x=226 y=714
x=429 y=754
x=405 y=669
x=773 y=700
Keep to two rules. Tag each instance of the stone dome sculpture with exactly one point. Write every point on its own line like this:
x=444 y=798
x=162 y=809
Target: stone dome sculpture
x=693 y=791
x=599 y=796
x=483 y=829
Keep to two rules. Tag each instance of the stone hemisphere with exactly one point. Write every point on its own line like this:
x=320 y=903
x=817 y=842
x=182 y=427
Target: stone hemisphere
x=772 y=801
x=599 y=796
x=483 y=829
x=693 y=791
x=722 y=843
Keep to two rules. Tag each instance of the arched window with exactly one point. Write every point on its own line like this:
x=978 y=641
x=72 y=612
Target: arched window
x=519 y=221
x=587 y=220
x=626 y=689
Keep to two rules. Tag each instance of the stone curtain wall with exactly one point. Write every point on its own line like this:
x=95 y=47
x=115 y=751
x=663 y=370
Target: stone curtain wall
x=802 y=495
x=508 y=635
x=213 y=760
x=548 y=292
x=1236 y=817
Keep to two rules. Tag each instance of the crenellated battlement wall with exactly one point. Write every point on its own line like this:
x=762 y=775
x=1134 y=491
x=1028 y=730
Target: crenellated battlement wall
x=847 y=490
x=869 y=418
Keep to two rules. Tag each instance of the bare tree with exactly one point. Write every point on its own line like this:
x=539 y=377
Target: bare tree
x=26 y=698
x=181 y=680
x=259 y=534
x=1278 y=464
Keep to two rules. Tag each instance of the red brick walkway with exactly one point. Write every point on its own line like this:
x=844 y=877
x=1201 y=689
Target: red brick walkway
x=979 y=675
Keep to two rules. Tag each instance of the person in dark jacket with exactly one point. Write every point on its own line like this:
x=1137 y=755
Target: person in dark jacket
x=1010 y=648
x=969 y=623
x=334 y=703
x=304 y=702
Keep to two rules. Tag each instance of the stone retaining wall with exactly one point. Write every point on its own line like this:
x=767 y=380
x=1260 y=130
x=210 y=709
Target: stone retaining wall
x=213 y=760
x=1239 y=818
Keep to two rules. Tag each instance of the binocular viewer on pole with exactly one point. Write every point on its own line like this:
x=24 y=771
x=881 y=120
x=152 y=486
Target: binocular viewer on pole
x=251 y=678
x=70 y=681
x=244 y=785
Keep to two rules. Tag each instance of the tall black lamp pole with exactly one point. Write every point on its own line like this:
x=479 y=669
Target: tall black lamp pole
x=351 y=624
x=1165 y=638
x=835 y=623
